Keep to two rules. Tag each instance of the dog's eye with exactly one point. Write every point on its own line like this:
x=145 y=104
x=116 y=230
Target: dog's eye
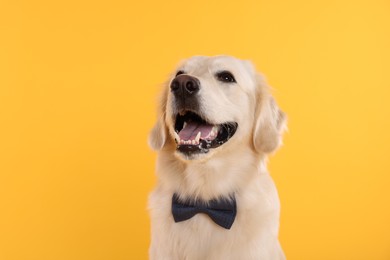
x=225 y=76
x=179 y=73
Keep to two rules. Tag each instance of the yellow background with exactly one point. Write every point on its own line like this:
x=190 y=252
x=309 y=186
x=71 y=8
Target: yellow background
x=78 y=85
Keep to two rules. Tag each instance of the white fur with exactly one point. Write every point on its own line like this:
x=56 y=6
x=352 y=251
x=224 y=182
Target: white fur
x=238 y=166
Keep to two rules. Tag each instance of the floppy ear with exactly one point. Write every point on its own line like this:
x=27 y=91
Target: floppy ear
x=158 y=134
x=270 y=122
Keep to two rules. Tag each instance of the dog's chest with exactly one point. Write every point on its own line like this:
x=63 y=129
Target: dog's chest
x=201 y=238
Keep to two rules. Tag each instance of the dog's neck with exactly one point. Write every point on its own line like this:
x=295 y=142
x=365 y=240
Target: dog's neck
x=217 y=177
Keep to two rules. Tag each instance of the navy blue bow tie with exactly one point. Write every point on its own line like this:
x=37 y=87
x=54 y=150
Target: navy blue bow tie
x=221 y=211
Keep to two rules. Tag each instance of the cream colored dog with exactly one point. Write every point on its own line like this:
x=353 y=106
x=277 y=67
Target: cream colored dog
x=214 y=197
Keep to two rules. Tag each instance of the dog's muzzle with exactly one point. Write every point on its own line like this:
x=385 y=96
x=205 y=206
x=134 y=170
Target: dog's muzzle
x=194 y=134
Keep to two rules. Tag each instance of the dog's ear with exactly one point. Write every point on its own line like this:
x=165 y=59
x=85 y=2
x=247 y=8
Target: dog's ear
x=158 y=134
x=270 y=121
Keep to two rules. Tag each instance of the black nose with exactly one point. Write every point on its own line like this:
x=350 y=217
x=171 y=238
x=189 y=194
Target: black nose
x=185 y=85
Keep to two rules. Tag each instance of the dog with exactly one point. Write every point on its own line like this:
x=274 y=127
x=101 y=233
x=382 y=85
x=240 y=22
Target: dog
x=214 y=199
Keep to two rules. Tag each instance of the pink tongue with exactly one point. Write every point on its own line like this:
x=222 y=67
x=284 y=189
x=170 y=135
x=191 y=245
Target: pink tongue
x=191 y=129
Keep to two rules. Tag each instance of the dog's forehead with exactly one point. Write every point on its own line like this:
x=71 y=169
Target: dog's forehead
x=206 y=67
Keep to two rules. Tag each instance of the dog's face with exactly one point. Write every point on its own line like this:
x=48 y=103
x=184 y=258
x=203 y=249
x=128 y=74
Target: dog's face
x=212 y=103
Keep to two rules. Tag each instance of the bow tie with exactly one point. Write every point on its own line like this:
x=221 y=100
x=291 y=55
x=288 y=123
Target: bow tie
x=221 y=211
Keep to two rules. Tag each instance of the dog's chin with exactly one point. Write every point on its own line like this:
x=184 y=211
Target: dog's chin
x=194 y=156
x=197 y=139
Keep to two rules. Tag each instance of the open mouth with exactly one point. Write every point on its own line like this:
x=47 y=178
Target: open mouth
x=194 y=135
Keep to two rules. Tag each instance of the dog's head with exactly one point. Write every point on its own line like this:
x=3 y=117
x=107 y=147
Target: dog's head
x=211 y=104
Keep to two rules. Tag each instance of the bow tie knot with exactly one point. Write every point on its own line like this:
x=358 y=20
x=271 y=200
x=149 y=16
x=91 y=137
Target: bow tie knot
x=221 y=211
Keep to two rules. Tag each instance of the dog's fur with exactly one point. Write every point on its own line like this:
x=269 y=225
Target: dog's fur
x=238 y=166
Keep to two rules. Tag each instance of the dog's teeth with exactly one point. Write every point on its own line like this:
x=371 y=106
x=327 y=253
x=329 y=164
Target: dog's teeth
x=197 y=138
x=177 y=138
x=184 y=125
x=214 y=130
x=193 y=142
